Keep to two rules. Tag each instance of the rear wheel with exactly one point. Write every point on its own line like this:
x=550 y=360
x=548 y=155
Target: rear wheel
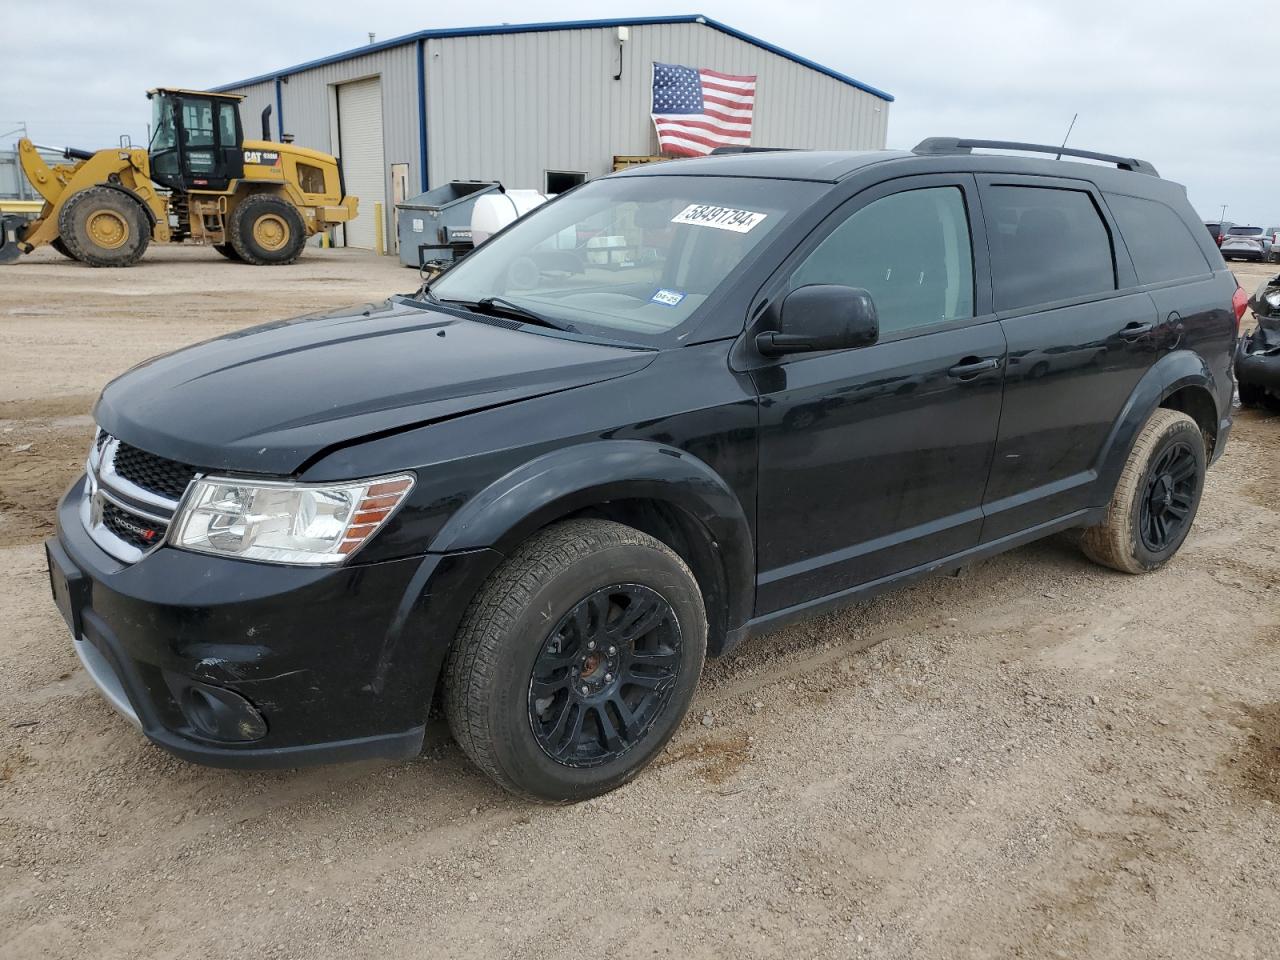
x=104 y=227
x=1156 y=499
x=576 y=661
x=266 y=230
x=228 y=251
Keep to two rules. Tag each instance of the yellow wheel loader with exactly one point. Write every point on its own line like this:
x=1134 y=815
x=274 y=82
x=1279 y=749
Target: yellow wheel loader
x=199 y=180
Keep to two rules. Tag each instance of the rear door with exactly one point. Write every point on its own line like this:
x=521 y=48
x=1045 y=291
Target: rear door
x=874 y=460
x=1081 y=334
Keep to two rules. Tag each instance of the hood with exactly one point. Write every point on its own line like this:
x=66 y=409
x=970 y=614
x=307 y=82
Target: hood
x=267 y=399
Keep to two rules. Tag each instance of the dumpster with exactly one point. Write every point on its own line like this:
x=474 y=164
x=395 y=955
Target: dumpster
x=435 y=227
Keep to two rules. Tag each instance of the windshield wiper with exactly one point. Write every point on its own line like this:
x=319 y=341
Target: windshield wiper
x=499 y=305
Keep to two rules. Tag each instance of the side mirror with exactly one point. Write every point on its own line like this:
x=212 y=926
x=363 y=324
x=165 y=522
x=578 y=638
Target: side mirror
x=821 y=317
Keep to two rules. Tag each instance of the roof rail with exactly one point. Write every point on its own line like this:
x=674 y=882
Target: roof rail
x=934 y=146
x=722 y=151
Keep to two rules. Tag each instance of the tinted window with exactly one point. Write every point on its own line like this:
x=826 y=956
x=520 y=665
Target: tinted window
x=227 y=124
x=1245 y=232
x=911 y=251
x=1161 y=245
x=1046 y=245
x=197 y=119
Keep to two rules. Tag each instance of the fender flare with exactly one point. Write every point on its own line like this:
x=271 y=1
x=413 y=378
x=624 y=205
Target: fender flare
x=1173 y=372
x=564 y=481
x=133 y=195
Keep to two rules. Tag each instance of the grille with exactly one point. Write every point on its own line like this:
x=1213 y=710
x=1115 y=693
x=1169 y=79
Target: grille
x=168 y=478
x=132 y=529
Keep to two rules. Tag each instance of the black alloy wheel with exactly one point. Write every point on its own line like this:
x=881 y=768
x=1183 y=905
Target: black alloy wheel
x=1167 y=504
x=604 y=674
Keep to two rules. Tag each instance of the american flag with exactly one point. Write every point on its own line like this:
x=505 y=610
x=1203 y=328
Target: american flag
x=696 y=111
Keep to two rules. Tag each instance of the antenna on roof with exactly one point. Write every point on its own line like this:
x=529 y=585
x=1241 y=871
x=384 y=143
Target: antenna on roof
x=1068 y=136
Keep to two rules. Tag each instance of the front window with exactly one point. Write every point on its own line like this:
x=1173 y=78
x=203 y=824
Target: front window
x=634 y=257
x=164 y=134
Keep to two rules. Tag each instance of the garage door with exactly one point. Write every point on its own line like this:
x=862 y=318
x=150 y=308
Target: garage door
x=360 y=146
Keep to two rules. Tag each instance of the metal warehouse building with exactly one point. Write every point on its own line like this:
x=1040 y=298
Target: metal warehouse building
x=537 y=106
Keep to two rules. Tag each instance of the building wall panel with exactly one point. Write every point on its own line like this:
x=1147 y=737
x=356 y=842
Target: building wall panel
x=511 y=106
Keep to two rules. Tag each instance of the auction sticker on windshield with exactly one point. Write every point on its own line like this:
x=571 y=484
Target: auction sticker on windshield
x=722 y=218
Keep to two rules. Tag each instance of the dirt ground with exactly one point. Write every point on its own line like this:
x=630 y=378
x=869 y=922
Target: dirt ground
x=1040 y=758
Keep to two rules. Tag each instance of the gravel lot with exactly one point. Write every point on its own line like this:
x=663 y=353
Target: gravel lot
x=1040 y=758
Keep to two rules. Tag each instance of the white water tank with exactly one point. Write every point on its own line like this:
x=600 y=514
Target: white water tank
x=493 y=211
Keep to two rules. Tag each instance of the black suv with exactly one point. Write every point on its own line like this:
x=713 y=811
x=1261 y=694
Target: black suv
x=544 y=488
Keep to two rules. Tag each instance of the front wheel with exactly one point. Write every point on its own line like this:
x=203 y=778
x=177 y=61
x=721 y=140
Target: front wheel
x=104 y=227
x=1156 y=499
x=576 y=661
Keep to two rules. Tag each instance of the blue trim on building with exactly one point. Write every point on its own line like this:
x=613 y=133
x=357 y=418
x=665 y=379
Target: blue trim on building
x=424 y=35
x=422 y=112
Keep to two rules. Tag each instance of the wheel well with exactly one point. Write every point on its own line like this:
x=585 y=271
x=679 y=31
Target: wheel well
x=687 y=536
x=1197 y=403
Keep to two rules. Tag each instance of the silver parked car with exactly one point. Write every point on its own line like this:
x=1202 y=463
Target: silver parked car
x=1247 y=243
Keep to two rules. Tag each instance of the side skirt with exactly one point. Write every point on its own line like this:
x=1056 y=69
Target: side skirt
x=865 y=591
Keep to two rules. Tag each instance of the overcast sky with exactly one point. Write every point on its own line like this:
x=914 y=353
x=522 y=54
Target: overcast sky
x=1176 y=82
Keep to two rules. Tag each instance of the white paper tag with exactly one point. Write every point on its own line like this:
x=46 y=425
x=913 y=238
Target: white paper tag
x=722 y=218
x=417 y=225
x=668 y=298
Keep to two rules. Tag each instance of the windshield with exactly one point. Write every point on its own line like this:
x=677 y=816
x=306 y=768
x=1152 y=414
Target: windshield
x=632 y=256
x=163 y=136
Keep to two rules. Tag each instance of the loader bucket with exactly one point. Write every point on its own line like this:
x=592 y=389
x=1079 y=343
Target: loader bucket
x=10 y=230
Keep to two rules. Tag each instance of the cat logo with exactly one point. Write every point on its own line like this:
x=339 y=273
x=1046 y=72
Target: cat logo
x=267 y=157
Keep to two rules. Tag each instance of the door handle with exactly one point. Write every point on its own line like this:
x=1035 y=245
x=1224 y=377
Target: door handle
x=1135 y=330
x=970 y=367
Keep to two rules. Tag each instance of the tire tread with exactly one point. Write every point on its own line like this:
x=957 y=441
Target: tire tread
x=1110 y=542
x=471 y=667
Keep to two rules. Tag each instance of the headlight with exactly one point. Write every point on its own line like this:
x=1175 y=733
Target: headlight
x=285 y=522
x=1273 y=299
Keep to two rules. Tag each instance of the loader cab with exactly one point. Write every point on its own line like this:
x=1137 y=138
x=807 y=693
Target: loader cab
x=196 y=140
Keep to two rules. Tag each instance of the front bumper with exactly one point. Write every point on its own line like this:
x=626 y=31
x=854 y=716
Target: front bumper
x=324 y=665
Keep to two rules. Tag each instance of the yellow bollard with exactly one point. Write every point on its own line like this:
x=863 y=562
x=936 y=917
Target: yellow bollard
x=324 y=240
x=377 y=229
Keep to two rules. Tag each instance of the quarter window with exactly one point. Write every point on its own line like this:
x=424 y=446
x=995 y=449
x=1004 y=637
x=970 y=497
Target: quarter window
x=1161 y=245
x=911 y=251
x=1046 y=245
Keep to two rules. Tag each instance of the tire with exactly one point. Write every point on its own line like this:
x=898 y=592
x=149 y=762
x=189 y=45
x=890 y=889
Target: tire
x=61 y=247
x=1169 y=445
x=104 y=227
x=228 y=251
x=530 y=614
x=267 y=231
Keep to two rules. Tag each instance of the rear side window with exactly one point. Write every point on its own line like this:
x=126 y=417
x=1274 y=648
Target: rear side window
x=1162 y=246
x=1046 y=244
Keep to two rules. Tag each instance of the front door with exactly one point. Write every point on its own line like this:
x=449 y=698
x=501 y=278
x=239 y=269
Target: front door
x=874 y=461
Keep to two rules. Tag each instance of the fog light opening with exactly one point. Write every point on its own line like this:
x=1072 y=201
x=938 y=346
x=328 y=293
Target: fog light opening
x=219 y=714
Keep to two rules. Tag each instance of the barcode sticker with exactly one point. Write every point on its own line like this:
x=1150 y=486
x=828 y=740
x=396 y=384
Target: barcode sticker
x=722 y=218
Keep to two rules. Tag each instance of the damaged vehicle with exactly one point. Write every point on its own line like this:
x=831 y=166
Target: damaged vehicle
x=542 y=489
x=1258 y=353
